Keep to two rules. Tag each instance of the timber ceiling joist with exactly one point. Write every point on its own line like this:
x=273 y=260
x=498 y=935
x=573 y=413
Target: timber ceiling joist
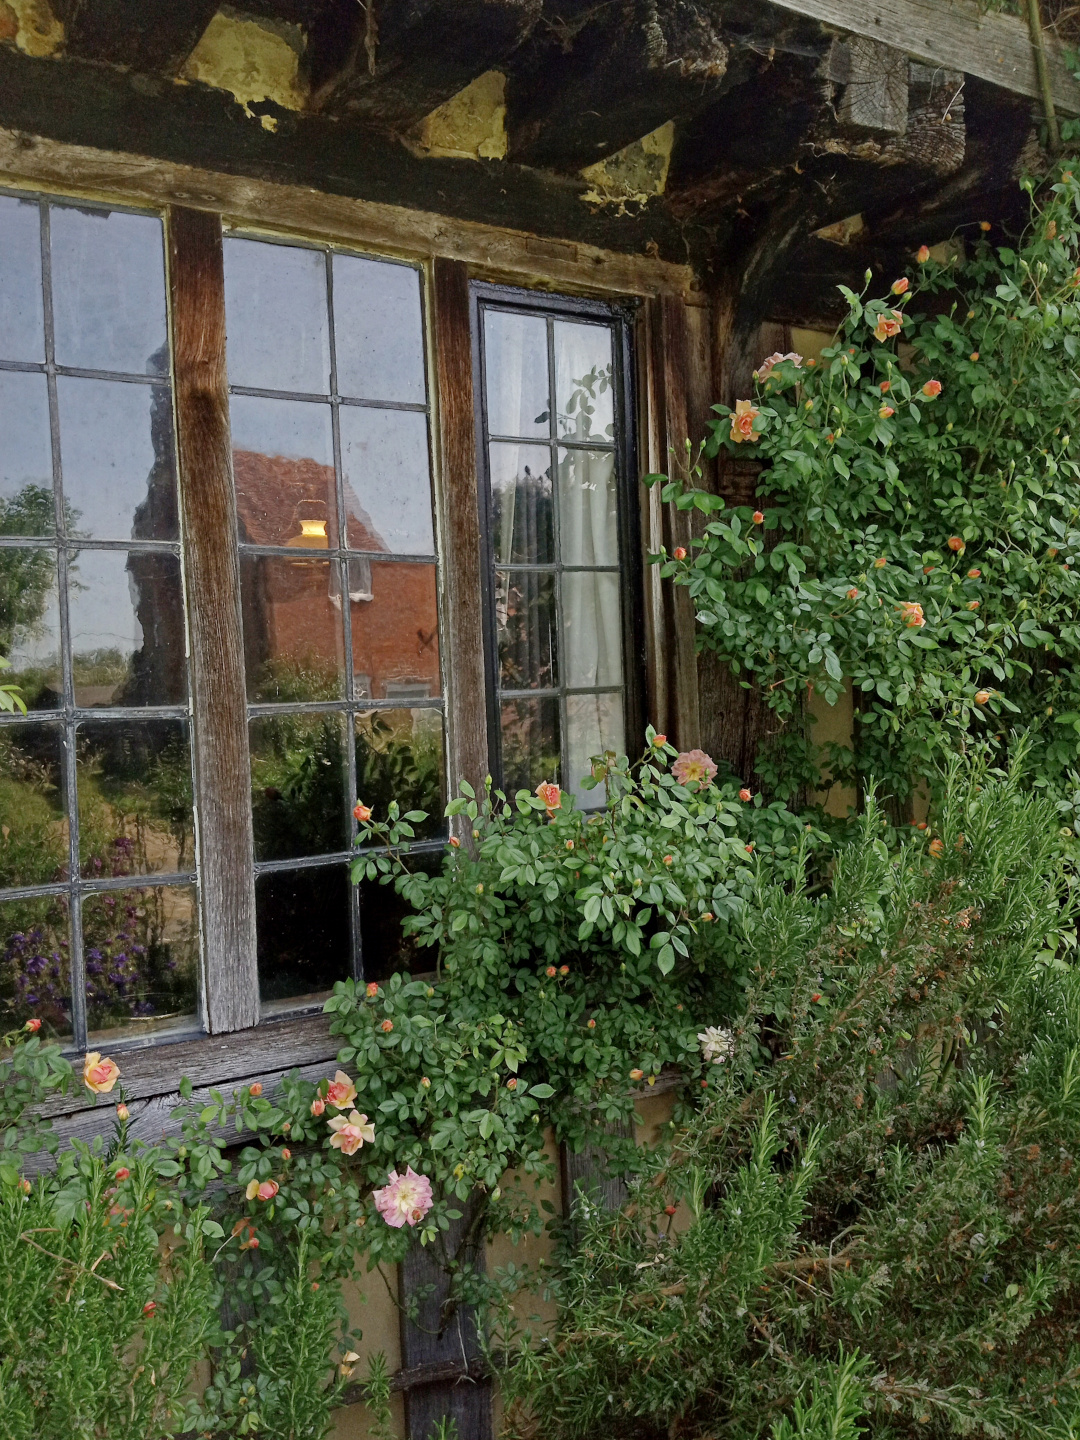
x=847 y=128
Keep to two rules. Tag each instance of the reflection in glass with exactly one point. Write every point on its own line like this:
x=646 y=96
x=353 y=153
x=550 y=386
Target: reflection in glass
x=141 y=951
x=30 y=624
x=298 y=786
x=385 y=949
x=530 y=742
x=22 y=323
x=275 y=305
x=396 y=634
x=378 y=331
x=592 y=628
x=26 y=493
x=588 y=513
x=521 y=514
x=526 y=629
x=516 y=369
x=283 y=468
x=293 y=643
x=134 y=780
x=35 y=965
x=585 y=399
x=33 y=813
x=108 y=279
x=384 y=458
x=399 y=756
x=116 y=449
x=127 y=628
x=594 y=725
x=302 y=922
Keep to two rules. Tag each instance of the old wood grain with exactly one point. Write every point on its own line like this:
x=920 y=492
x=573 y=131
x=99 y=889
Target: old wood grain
x=208 y=509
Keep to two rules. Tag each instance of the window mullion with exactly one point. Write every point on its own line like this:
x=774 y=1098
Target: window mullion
x=212 y=577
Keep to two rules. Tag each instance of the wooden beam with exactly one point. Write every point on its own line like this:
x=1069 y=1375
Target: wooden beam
x=151 y=36
x=959 y=34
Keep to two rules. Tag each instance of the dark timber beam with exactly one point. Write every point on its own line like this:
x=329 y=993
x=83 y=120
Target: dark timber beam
x=151 y=36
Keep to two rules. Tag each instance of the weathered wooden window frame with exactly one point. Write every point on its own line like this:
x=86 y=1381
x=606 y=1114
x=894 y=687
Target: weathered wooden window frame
x=238 y=1045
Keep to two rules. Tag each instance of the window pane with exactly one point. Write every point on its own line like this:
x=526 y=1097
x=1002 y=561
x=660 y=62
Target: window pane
x=22 y=323
x=399 y=756
x=525 y=622
x=134 y=782
x=385 y=948
x=594 y=724
x=35 y=965
x=33 y=812
x=396 y=634
x=293 y=644
x=378 y=331
x=588 y=513
x=26 y=493
x=583 y=381
x=530 y=743
x=30 y=623
x=592 y=628
x=108 y=275
x=298 y=786
x=142 y=961
x=384 y=457
x=275 y=298
x=304 y=942
x=127 y=628
x=516 y=374
x=283 y=465
x=521 y=518
x=116 y=448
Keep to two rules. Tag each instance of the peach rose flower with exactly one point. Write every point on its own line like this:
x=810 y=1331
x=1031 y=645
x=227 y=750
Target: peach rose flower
x=550 y=794
x=341 y=1092
x=361 y=812
x=912 y=614
x=888 y=325
x=742 y=422
x=694 y=765
x=350 y=1134
x=99 y=1075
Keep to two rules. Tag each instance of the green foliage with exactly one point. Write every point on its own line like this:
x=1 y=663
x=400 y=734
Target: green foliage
x=924 y=546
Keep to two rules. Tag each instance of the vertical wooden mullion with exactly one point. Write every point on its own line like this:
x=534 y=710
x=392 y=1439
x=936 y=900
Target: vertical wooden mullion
x=212 y=580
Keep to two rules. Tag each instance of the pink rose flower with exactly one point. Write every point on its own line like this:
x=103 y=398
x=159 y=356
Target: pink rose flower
x=33 y=1026
x=693 y=765
x=350 y=1134
x=769 y=364
x=266 y=1190
x=405 y=1199
x=318 y=1105
x=99 y=1075
x=341 y=1092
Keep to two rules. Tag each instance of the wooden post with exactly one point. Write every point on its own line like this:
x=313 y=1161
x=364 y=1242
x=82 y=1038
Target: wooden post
x=208 y=511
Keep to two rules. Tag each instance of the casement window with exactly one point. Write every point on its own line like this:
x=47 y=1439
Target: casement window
x=223 y=597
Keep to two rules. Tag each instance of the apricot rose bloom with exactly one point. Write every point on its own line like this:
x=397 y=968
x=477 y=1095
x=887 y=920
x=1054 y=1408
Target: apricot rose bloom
x=33 y=1026
x=350 y=1134
x=888 y=325
x=956 y=544
x=550 y=794
x=742 y=422
x=404 y=1199
x=262 y=1190
x=99 y=1075
x=912 y=614
x=932 y=389
x=900 y=287
x=341 y=1092
x=922 y=255
x=361 y=813
x=694 y=765
x=318 y=1105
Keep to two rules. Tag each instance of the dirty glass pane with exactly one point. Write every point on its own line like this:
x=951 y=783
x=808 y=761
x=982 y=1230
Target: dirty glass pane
x=134 y=780
x=516 y=374
x=400 y=756
x=283 y=465
x=588 y=509
x=530 y=742
x=275 y=307
x=594 y=724
x=22 y=323
x=35 y=965
x=108 y=276
x=33 y=813
x=521 y=512
x=304 y=938
x=378 y=330
x=396 y=634
x=592 y=628
x=583 y=376
x=298 y=786
x=526 y=629
x=141 y=949
x=30 y=624
x=116 y=449
x=293 y=642
x=384 y=457
x=385 y=948
x=127 y=628
x=26 y=493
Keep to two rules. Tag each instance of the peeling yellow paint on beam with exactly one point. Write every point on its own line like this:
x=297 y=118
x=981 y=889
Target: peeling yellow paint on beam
x=471 y=125
x=32 y=25
x=254 y=62
x=634 y=174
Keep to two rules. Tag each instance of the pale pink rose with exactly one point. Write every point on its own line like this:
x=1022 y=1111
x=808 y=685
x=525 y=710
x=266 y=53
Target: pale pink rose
x=99 y=1075
x=770 y=362
x=693 y=765
x=341 y=1092
x=405 y=1199
x=350 y=1134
